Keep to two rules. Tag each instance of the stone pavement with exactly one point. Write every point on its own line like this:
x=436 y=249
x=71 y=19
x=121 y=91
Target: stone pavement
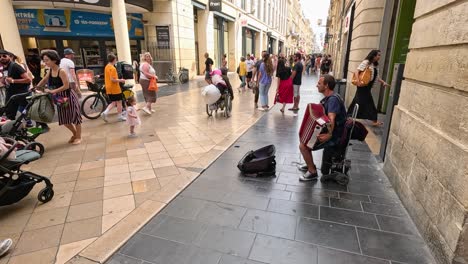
x=225 y=218
x=110 y=185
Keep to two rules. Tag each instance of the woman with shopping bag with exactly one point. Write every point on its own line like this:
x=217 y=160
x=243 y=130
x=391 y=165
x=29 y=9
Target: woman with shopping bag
x=147 y=74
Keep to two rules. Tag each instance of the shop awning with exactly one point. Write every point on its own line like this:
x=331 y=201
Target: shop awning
x=198 y=5
x=227 y=17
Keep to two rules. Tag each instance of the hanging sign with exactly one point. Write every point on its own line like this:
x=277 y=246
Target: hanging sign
x=163 y=37
x=215 y=5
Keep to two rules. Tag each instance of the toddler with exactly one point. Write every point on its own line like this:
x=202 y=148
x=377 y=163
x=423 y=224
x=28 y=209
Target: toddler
x=132 y=118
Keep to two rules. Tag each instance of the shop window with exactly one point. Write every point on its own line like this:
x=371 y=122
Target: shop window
x=75 y=46
x=226 y=39
x=91 y=53
x=216 y=41
x=43 y=44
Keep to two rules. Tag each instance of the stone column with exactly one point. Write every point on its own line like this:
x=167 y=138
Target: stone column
x=205 y=37
x=10 y=34
x=122 y=40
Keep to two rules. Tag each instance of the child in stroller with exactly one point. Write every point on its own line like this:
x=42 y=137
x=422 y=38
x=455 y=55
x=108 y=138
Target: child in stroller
x=15 y=184
x=15 y=128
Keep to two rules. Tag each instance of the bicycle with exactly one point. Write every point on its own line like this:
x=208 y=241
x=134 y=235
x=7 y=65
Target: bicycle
x=183 y=76
x=93 y=105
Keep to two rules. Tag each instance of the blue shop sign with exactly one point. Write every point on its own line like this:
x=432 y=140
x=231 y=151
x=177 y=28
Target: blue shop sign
x=64 y=23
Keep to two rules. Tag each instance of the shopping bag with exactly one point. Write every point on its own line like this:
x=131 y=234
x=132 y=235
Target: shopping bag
x=42 y=109
x=153 y=85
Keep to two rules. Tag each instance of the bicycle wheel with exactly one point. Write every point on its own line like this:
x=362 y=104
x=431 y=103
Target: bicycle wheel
x=92 y=106
x=209 y=111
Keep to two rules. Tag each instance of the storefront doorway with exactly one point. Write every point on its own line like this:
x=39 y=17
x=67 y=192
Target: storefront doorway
x=221 y=39
x=248 y=41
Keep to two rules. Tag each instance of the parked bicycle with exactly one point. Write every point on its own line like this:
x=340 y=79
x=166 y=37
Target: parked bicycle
x=93 y=105
x=183 y=76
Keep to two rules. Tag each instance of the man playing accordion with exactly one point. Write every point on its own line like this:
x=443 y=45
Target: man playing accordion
x=328 y=137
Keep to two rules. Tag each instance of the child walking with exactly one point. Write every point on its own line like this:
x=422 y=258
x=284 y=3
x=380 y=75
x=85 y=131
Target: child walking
x=132 y=118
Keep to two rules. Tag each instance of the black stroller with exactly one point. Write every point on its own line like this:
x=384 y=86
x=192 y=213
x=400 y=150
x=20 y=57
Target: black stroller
x=15 y=129
x=16 y=184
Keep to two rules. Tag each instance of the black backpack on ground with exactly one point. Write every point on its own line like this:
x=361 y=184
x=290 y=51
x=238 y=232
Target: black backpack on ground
x=259 y=163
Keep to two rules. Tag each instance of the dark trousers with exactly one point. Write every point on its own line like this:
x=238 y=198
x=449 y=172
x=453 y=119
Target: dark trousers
x=14 y=105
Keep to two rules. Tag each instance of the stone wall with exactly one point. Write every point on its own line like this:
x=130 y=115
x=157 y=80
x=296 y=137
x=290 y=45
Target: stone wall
x=427 y=154
x=366 y=36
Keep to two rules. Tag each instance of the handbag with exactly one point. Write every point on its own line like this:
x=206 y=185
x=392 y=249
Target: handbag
x=42 y=108
x=153 y=85
x=364 y=77
x=253 y=84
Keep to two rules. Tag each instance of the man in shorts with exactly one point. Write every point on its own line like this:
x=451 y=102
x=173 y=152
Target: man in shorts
x=250 y=65
x=296 y=76
x=113 y=90
x=69 y=66
x=336 y=112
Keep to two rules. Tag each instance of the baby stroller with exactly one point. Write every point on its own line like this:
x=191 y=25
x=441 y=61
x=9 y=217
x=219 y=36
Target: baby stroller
x=259 y=163
x=15 y=129
x=16 y=184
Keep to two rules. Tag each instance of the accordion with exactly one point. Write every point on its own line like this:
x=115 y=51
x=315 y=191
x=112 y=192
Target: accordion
x=314 y=123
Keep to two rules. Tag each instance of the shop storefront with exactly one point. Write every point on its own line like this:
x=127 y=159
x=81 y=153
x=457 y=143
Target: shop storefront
x=89 y=34
x=271 y=43
x=280 y=47
x=248 y=41
x=221 y=37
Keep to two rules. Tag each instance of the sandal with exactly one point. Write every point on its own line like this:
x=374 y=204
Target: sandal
x=377 y=124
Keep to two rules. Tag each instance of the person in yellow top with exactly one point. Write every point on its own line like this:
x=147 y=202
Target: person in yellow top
x=242 y=73
x=113 y=90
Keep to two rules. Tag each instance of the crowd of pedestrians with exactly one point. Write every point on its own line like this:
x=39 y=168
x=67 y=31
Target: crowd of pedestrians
x=258 y=74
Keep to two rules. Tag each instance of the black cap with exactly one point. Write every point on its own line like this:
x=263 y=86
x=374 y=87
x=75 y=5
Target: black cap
x=5 y=52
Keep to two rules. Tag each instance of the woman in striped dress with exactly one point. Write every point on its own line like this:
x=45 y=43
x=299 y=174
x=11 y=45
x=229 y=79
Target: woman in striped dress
x=68 y=106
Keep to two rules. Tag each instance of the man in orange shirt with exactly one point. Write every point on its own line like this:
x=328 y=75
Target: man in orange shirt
x=113 y=90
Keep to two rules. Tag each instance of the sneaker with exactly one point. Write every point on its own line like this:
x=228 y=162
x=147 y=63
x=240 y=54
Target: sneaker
x=146 y=110
x=132 y=135
x=5 y=245
x=302 y=168
x=308 y=176
x=124 y=113
x=121 y=118
x=104 y=117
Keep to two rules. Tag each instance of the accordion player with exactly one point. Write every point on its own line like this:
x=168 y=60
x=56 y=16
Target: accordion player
x=314 y=123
